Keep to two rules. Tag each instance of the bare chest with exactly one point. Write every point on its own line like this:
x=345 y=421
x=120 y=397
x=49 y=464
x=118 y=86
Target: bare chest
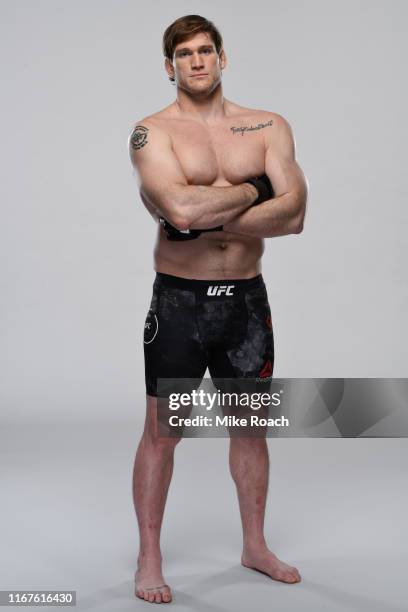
x=211 y=155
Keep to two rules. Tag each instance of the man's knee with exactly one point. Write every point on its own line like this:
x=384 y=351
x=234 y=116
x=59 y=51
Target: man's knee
x=153 y=435
x=162 y=445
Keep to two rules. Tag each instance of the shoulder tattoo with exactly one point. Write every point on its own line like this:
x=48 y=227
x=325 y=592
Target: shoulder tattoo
x=138 y=138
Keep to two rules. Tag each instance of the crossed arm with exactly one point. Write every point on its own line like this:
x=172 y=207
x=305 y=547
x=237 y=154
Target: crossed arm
x=164 y=189
x=285 y=213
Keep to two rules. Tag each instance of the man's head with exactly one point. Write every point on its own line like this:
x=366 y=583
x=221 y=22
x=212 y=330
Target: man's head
x=193 y=46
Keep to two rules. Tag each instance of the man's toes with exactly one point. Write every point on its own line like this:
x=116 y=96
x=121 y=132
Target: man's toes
x=158 y=597
x=166 y=596
x=141 y=593
x=286 y=576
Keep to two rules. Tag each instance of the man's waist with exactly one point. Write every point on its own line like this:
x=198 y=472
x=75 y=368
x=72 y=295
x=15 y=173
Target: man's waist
x=211 y=288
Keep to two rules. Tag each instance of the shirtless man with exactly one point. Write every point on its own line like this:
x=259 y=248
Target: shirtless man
x=192 y=161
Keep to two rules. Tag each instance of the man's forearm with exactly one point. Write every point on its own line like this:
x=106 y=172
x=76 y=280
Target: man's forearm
x=277 y=217
x=204 y=207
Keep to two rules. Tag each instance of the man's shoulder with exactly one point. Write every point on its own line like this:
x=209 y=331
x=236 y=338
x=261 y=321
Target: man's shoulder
x=151 y=127
x=258 y=117
x=156 y=120
x=275 y=119
x=258 y=114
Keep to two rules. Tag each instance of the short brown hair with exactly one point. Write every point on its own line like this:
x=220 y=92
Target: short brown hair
x=186 y=27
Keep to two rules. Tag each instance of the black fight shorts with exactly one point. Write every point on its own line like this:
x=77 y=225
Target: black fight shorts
x=224 y=325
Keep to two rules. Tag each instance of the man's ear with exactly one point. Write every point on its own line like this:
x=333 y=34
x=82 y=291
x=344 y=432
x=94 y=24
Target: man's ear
x=223 y=59
x=169 y=68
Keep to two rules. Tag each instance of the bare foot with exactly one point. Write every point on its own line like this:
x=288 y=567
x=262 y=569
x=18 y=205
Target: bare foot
x=149 y=581
x=266 y=562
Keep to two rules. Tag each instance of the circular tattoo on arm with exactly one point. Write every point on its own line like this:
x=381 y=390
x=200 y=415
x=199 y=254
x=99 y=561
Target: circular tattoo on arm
x=138 y=138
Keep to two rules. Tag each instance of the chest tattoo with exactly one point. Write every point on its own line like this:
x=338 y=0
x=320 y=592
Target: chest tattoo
x=251 y=128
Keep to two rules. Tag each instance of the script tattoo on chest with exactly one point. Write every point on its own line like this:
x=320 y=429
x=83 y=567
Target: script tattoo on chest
x=138 y=138
x=251 y=128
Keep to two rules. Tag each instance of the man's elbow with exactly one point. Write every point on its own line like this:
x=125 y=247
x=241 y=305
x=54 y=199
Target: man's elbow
x=178 y=215
x=298 y=218
x=175 y=209
x=298 y=227
x=296 y=223
x=179 y=221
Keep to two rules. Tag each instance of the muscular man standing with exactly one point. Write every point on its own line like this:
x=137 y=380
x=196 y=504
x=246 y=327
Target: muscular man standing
x=219 y=178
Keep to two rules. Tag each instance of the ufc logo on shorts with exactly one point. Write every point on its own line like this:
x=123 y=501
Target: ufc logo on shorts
x=220 y=289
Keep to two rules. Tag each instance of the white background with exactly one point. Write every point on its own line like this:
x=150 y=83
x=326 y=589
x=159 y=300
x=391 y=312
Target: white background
x=76 y=277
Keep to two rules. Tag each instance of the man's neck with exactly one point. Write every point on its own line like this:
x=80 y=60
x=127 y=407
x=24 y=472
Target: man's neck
x=205 y=108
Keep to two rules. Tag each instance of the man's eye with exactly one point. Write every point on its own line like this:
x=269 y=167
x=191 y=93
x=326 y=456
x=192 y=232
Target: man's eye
x=184 y=53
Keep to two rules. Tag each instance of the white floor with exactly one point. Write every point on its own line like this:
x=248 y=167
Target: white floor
x=336 y=509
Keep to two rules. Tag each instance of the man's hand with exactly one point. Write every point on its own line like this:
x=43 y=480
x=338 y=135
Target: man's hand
x=182 y=235
x=263 y=187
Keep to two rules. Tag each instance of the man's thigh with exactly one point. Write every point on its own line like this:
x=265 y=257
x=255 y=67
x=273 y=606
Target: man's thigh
x=248 y=351
x=172 y=346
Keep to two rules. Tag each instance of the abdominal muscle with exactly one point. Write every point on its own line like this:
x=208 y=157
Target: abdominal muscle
x=211 y=256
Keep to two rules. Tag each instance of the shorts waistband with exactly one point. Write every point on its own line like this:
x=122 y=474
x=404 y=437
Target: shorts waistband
x=211 y=287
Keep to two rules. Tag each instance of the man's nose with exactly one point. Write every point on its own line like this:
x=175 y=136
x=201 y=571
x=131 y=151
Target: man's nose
x=196 y=61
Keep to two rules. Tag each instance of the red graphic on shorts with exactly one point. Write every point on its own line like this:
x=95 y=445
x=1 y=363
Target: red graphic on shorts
x=266 y=370
x=268 y=321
